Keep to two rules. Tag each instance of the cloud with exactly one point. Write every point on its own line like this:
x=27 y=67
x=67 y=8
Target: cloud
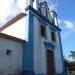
x=4 y=7
x=52 y=5
x=67 y=27
x=14 y=8
x=9 y=9
x=21 y=4
x=65 y=34
x=59 y=21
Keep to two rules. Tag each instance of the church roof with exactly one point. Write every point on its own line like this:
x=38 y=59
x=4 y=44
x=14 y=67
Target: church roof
x=15 y=19
x=11 y=37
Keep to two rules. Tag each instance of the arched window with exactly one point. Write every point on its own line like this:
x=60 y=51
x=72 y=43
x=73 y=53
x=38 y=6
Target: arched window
x=53 y=36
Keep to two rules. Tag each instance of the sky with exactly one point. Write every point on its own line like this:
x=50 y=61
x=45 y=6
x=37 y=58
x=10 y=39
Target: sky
x=9 y=9
x=66 y=18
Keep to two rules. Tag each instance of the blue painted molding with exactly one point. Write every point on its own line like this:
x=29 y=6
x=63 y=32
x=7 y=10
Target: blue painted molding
x=59 y=36
x=30 y=73
x=42 y=23
x=42 y=17
x=49 y=45
x=61 y=74
x=40 y=74
x=28 y=48
x=52 y=29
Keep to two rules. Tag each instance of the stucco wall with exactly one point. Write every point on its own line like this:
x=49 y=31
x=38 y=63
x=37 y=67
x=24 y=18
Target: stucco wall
x=12 y=63
x=40 y=64
x=39 y=50
x=18 y=29
x=58 y=55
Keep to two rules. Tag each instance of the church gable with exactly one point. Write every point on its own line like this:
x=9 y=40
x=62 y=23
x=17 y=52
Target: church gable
x=16 y=27
x=9 y=23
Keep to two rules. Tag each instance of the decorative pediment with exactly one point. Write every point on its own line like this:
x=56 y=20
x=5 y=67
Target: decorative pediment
x=51 y=15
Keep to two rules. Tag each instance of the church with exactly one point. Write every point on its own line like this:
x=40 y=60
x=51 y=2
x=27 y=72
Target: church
x=30 y=43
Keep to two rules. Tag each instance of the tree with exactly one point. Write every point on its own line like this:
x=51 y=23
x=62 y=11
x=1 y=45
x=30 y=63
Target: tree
x=72 y=55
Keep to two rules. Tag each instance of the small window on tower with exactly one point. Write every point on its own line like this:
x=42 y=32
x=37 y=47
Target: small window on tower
x=43 y=31
x=39 y=9
x=53 y=36
x=8 y=52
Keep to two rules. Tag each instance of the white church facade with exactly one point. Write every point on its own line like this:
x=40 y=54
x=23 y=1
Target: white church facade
x=30 y=43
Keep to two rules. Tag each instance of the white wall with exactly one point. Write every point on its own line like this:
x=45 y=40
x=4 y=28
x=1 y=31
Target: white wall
x=58 y=56
x=18 y=29
x=10 y=63
x=57 y=51
x=39 y=52
x=40 y=64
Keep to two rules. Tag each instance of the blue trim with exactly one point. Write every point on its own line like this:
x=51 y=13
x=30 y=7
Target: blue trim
x=30 y=73
x=52 y=29
x=49 y=45
x=60 y=74
x=40 y=74
x=61 y=52
x=28 y=48
x=42 y=17
x=42 y=23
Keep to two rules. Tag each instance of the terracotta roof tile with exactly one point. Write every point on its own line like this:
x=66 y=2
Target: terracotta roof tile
x=11 y=37
x=9 y=23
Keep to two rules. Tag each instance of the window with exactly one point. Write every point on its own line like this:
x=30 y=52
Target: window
x=53 y=36
x=43 y=31
x=39 y=9
x=8 y=52
x=33 y=0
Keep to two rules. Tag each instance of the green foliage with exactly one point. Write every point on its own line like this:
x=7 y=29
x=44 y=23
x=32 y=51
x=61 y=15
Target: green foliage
x=73 y=55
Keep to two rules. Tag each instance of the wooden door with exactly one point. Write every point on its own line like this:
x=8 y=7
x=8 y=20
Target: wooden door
x=50 y=63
